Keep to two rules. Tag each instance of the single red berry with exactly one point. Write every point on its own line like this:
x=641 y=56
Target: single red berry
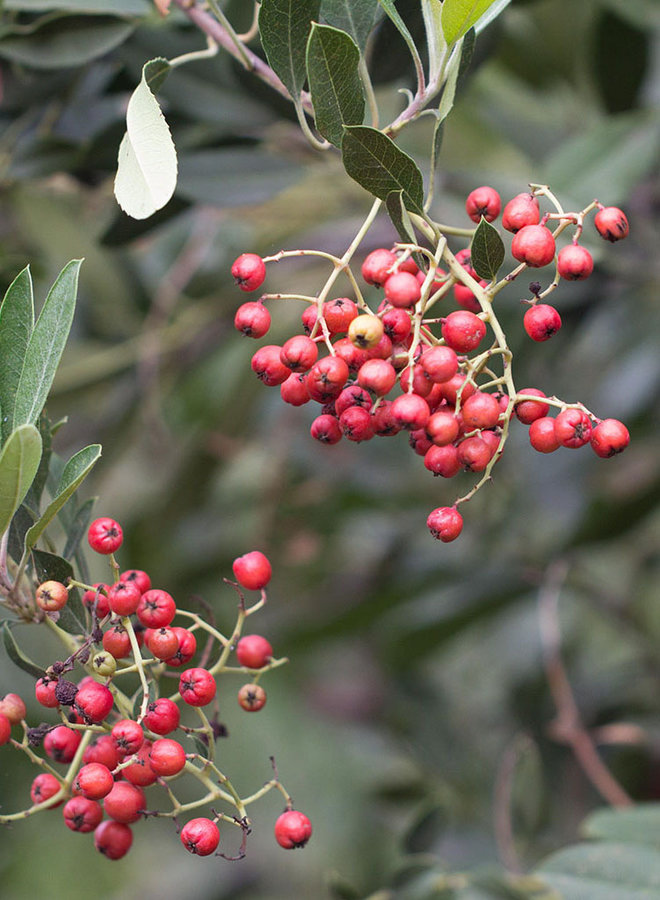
x=353 y=356
x=443 y=461
x=534 y=245
x=123 y=598
x=466 y=299
x=163 y=642
x=397 y=324
x=383 y=422
x=439 y=364
x=458 y=385
x=609 y=437
x=13 y=708
x=197 y=687
x=326 y=429
x=541 y=322
x=103 y=750
x=445 y=523
x=61 y=743
x=128 y=737
x=113 y=839
x=167 y=757
x=326 y=378
x=156 y=608
x=252 y=697
x=481 y=410
x=105 y=535
x=292 y=829
x=125 y=802
x=378 y=266
x=354 y=395
x=309 y=317
x=44 y=787
x=381 y=350
x=299 y=353
x=252 y=570
x=94 y=702
x=5 y=729
x=52 y=596
x=81 y=814
x=200 y=836
x=252 y=319
x=521 y=211
x=137 y=577
x=356 y=424
x=377 y=375
x=574 y=263
x=527 y=411
x=116 y=641
x=573 y=428
x=253 y=651
x=410 y=411
x=187 y=647
x=268 y=367
x=483 y=201
x=94 y=781
x=140 y=771
x=402 y=290
x=611 y=223
x=420 y=382
x=408 y=265
x=162 y=716
x=542 y=435
x=442 y=427
x=249 y=271
x=474 y=454
x=294 y=390
x=463 y=331
x=96 y=600
x=338 y=314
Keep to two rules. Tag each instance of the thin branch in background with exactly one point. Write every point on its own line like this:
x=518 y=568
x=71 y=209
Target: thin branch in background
x=568 y=727
x=502 y=802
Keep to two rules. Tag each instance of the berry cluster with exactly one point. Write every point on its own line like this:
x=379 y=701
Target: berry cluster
x=117 y=715
x=399 y=365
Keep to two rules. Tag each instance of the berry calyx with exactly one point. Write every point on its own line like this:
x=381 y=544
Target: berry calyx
x=249 y=271
x=292 y=829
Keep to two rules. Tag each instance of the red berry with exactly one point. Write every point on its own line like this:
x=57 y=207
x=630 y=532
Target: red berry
x=352 y=396
x=81 y=814
x=483 y=201
x=197 y=687
x=397 y=324
x=420 y=382
x=541 y=322
x=94 y=781
x=442 y=460
x=44 y=787
x=609 y=437
x=611 y=223
x=156 y=608
x=249 y=271
x=339 y=314
x=383 y=422
x=521 y=211
x=292 y=829
x=167 y=757
x=445 y=523
x=299 y=353
x=253 y=651
x=162 y=716
x=268 y=367
x=542 y=435
x=128 y=737
x=377 y=375
x=252 y=570
x=103 y=750
x=187 y=647
x=252 y=697
x=356 y=424
x=96 y=600
x=474 y=454
x=481 y=410
x=105 y=535
x=94 y=702
x=459 y=383
x=116 y=641
x=125 y=802
x=463 y=331
x=5 y=729
x=573 y=428
x=140 y=771
x=527 y=411
x=377 y=265
x=442 y=427
x=402 y=290
x=163 y=643
x=137 y=577
x=410 y=411
x=51 y=596
x=466 y=299
x=124 y=598
x=61 y=743
x=439 y=364
x=252 y=319
x=419 y=442
x=326 y=378
x=113 y=839
x=13 y=708
x=574 y=263
x=200 y=836
x=294 y=390
x=326 y=429
x=534 y=245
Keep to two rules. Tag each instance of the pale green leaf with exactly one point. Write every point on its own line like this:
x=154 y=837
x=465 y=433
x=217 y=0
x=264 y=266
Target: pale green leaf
x=458 y=16
x=604 y=871
x=16 y=324
x=147 y=165
x=637 y=825
x=19 y=462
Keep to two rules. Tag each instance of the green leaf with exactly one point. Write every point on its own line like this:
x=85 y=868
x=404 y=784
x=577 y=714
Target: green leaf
x=637 y=825
x=355 y=17
x=334 y=81
x=33 y=498
x=147 y=164
x=375 y=162
x=486 y=250
x=390 y=9
x=75 y=472
x=494 y=10
x=16 y=324
x=451 y=81
x=16 y=655
x=93 y=7
x=399 y=216
x=284 y=26
x=604 y=871
x=19 y=462
x=46 y=345
x=458 y=16
x=66 y=42
x=77 y=528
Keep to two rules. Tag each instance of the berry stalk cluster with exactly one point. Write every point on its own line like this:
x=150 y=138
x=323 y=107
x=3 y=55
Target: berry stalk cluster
x=408 y=363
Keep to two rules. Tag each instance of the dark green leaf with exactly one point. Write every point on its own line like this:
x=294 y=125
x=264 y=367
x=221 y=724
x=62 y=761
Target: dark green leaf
x=16 y=655
x=72 y=616
x=46 y=345
x=19 y=463
x=355 y=17
x=16 y=324
x=66 y=42
x=33 y=497
x=77 y=527
x=426 y=830
x=487 y=250
x=391 y=10
x=334 y=82
x=49 y=566
x=467 y=52
x=458 y=16
x=284 y=26
x=375 y=162
x=399 y=216
x=604 y=871
x=637 y=825
x=438 y=134
x=75 y=472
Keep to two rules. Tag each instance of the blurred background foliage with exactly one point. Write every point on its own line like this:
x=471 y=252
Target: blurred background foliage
x=416 y=673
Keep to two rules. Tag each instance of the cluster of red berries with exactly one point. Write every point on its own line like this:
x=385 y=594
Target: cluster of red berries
x=455 y=408
x=116 y=737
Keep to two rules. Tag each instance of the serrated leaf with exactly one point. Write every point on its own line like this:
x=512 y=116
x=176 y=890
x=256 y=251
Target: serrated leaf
x=16 y=655
x=19 y=462
x=355 y=17
x=637 y=825
x=458 y=16
x=75 y=472
x=16 y=324
x=486 y=250
x=402 y=28
x=66 y=41
x=45 y=346
x=284 y=26
x=334 y=81
x=375 y=162
x=604 y=871
x=399 y=216
x=147 y=163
